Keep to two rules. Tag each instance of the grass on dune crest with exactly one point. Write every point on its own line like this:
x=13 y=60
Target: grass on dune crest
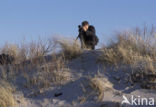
x=131 y=48
x=136 y=49
x=28 y=50
x=69 y=48
x=30 y=57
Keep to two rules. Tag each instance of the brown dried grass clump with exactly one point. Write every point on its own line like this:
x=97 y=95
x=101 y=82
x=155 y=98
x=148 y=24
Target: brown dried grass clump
x=6 y=96
x=28 y=50
x=129 y=49
x=47 y=67
x=136 y=50
x=69 y=48
x=100 y=85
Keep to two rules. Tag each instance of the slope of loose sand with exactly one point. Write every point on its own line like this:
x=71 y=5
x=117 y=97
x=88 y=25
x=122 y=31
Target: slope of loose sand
x=78 y=93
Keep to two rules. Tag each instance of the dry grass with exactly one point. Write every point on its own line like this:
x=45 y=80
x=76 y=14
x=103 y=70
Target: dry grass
x=49 y=74
x=130 y=48
x=126 y=51
x=135 y=49
x=33 y=67
x=6 y=97
x=100 y=85
x=28 y=50
x=39 y=75
x=69 y=48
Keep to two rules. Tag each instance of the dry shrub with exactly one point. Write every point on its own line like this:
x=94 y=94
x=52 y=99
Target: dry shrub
x=69 y=48
x=6 y=97
x=27 y=51
x=40 y=48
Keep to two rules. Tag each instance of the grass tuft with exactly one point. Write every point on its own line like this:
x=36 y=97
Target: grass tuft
x=6 y=96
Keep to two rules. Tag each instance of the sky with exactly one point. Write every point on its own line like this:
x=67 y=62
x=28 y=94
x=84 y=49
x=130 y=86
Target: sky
x=30 y=19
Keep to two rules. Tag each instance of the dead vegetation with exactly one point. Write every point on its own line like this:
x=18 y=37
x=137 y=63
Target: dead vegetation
x=43 y=64
x=69 y=48
x=6 y=96
x=99 y=86
x=28 y=50
x=39 y=64
x=49 y=74
x=129 y=49
x=135 y=49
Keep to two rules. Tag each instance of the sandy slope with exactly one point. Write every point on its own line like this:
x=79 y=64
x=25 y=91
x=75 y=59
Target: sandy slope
x=72 y=92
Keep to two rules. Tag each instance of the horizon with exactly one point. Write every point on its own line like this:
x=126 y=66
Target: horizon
x=31 y=19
